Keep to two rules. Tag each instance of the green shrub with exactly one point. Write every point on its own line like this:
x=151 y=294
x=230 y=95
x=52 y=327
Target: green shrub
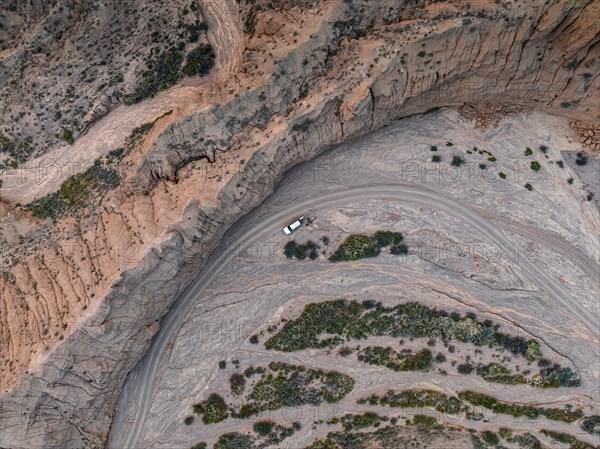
x=505 y=408
x=436 y=158
x=292 y=386
x=457 y=161
x=199 y=61
x=582 y=159
x=201 y=445
x=75 y=193
x=592 y=425
x=234 y=440
x=528 y=187
x=403 y=361
x=356 y=246
x=189 y=420
x=490 y=438
x=535 y=165
x=237 y=383
x=416 y=399
x=163 y=71
x=263 y=428
x=399 y=249
x=465 y=368
x=433 y=148
x=68 y=136
x=424 y=421
x=386 y=238
x=367 y=419
x=213 y=410
x=497 y=373
x=528 y=151
x=528 y=441
x=502 y=175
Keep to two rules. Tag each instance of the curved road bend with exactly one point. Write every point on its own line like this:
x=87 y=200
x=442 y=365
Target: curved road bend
x=263 y=225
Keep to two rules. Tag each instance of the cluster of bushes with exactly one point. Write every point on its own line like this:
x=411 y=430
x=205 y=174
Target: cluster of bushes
x=555 y=414
x=396 y=361
x=237 y=382
x=292 y=386
x=592 y=425
x=416 y=399
x=75 y=193
x=273 y=433
x=367 y=419
x=213 y=409
x=19 y=150
x=199 y=61
x=164 y=70
x=550 y=377
x=234 y=440
x=359 y=246
x=343 y=320
x=499 y=374
x=346 y=320
x=567 y=439
x=424 y=421
x=301 y=251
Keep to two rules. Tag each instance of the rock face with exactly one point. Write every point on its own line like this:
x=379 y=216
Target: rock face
x=76 y=318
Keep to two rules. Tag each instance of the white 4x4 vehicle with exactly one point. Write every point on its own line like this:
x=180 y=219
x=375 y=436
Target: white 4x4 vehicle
x=293 y=226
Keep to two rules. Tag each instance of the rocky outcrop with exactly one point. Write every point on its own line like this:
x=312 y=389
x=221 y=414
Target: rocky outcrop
x=364 y=68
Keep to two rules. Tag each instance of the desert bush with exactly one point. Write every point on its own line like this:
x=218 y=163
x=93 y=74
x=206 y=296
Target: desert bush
x=424 y=421
x=263 y=428
x=288 y=385
x=75 y=193
x=386 y=238
x=396 y=361
x=163 y=71
x=189 y=420
x=436 y=158
x=592 y=425
x=535 y=165
x=237 y=383
x=497 y=373
x=213 y=409
x=356 y=246
x=416 y=399
x=581 y=159
x=490 y=438
x=457 y=161
x=465 y=368
x=560 y=437
x=67 y=136
x=199 y=61
x=234 y=440
x=367 y=419
x=528 y=151
x=342 y=320
x=505 y=408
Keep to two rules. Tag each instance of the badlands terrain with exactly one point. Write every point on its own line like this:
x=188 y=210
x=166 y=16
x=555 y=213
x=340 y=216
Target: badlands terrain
x=440 y=293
